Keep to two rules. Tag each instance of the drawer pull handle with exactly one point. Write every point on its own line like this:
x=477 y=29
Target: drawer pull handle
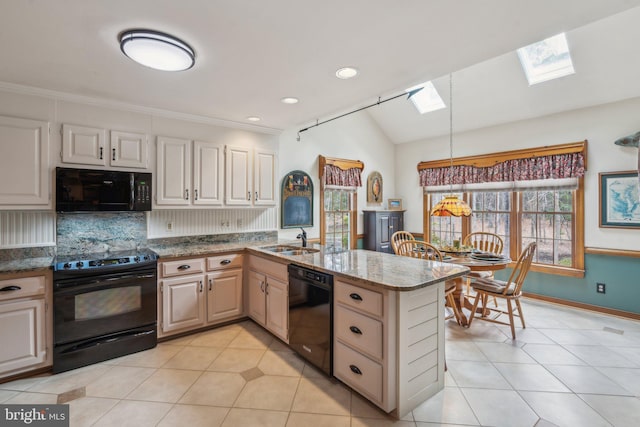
x=210 y=284
x=200 y=285
x=356 y=297
x=225 y=262
x=355 y=330
x=184 y=267
x=355 y=369
x=10 y=288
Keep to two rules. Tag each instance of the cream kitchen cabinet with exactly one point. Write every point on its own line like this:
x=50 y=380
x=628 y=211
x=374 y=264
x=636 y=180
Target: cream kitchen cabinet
x=188 y=173
x=88 y=146
x=199 y=292
x=250 y=177
x=25 y=323
x=268 y=295
x=25 y=180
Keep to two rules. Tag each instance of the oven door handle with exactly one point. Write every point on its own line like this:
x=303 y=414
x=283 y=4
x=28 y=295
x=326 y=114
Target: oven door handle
x=94 y=285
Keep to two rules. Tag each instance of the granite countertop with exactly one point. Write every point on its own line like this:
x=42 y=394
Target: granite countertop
x=24 y=265
x=373 y=268
x=177 y=250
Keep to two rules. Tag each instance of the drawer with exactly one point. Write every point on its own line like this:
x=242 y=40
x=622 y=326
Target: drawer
x=182 y=267
x=224 y=261
x=358 y=371
x=270 y=268
x=359 y=298
x=22 y=287
x=358 y=331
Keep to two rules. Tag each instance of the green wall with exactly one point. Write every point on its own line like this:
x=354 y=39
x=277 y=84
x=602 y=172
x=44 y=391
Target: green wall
x=620 y=274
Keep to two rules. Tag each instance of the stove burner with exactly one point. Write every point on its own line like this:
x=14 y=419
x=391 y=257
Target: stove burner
x=103 y=260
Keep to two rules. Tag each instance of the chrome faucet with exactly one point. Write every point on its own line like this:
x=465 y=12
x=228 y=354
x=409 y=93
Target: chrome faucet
x=303 y=236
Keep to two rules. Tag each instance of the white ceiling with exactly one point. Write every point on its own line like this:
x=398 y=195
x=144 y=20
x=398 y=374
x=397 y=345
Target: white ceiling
x=252 y=53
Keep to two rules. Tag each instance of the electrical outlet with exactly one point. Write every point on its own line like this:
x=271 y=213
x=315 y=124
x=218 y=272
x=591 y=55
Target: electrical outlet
x=169 y=226
x=601 y=288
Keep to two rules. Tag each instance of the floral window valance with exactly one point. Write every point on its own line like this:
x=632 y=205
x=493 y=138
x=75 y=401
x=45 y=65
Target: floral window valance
x=535 y=167
x=340 y=173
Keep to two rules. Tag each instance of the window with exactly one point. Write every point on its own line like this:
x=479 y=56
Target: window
x=491 y=212
x=337 y=213
x=428 y=99
x=444 y=229
x=546 y=60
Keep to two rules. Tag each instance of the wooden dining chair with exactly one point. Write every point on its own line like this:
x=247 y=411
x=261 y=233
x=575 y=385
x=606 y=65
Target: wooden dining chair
x=424 y=250
x=510 y=290
x=485 y=242
x=399 y=237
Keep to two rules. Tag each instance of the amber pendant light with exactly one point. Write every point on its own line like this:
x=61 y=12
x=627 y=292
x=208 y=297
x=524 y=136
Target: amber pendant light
x=451 y=205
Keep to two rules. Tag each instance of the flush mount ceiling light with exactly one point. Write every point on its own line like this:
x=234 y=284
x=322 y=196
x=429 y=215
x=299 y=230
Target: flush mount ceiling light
x=157 y=50
x=346 y=73
x=253 y=118
x=289 y=100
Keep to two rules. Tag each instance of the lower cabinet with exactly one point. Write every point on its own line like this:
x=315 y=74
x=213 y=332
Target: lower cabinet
x=199 y=292
x=25 y=324
x=268 y=295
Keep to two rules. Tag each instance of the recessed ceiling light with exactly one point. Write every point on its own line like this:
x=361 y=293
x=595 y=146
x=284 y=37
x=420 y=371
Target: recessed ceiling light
x=290 y=100
x=253 y=118
x=346 y=73
x=157 y=50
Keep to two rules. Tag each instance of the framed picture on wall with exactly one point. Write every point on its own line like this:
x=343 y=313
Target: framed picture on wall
x=619 y=199
x=374 y=188
x=297 y=200
x=395 y=204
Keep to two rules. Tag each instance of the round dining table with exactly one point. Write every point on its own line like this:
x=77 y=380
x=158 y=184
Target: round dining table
x=474 y=264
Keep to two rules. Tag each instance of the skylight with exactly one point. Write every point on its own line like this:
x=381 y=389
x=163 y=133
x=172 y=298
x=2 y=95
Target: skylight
x=427 y=99
x=546 y=60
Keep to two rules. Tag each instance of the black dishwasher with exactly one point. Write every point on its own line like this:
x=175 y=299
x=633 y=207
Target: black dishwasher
x=311 y=316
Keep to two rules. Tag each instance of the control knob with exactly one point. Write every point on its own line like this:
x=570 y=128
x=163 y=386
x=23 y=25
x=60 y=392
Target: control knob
x=67 y=265
x=79 y=264
x=136 y=259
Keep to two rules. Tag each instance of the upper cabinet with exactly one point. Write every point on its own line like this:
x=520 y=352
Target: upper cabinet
x=188 y=173
x=25 y=181
x=88 y=146
x=250 y=177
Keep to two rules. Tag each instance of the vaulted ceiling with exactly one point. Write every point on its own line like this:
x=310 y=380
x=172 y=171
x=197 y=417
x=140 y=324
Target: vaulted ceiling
x=250 y=54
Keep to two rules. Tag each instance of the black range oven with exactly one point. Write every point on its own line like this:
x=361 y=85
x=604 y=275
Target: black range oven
x=104 y=306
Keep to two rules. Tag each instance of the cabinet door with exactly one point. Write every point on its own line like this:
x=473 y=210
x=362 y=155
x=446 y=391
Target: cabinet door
x=264 y=181
x=207 y=173
x=384 y=232
x=396 y=222
x=22 y=328
x=224 y=294
x=173 y=171
x=25 y=181
x=257 y=304
x=182 y=303
x=278 y=308
x=83 y=145
x=238 y=176
x=129 y=150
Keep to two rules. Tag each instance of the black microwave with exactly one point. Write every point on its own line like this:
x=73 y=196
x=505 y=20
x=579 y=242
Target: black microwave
x=88 y=190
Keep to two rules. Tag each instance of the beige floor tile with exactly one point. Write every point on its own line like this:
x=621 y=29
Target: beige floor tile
x=600 y=355
x=618 y=410
x=361 y=407
x=277 y=345
x=153 y=358
x=28 y=397
x=567 y=336
x=118 y=382
x=322 y=396
x=500 y=408
x=447 y=407
x=464 y=350
x=214 y=388
x=129 y=413
x=629 y=378
x=268 y=392
x=165 y=385
x=220 y=337
x=317 y=420
x=252 y=339
x=87 y=410
x=239 y=417
x=193 y=358
x=182 y=341
x=236 y=360
x=563 y=409
x=194 y=416
x=24 y=384
x=374 y=422
x=476 y=374
x=281 y=363
x=530 y=377
x=585 y=379
x=70 y=380
x=7 y=394
x=549 y=354
x=502 y=352
x=311 y=371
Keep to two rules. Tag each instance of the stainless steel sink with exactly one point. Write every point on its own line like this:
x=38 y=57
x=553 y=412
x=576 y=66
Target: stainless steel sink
x=289 y=250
